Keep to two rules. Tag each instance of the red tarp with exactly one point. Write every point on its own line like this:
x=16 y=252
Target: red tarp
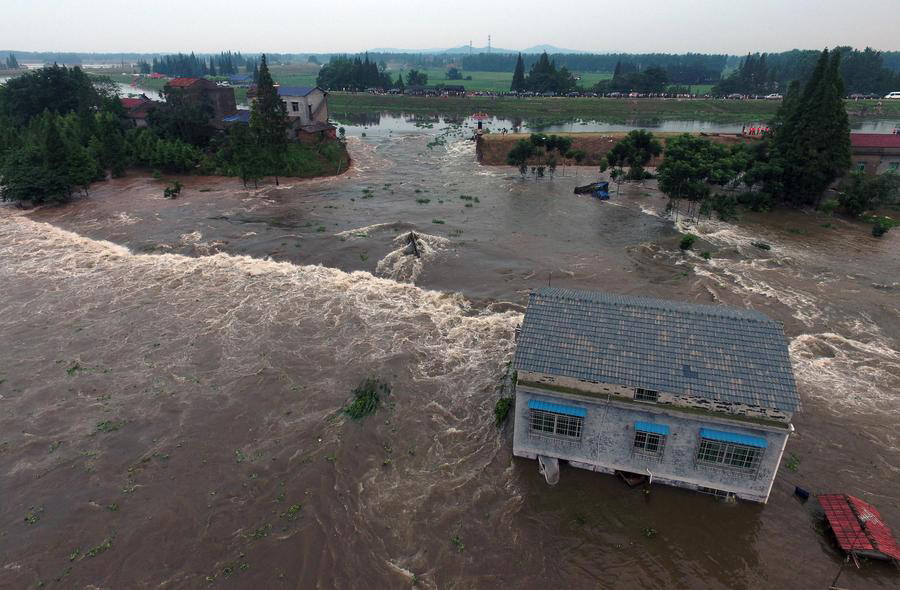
x=858 y=526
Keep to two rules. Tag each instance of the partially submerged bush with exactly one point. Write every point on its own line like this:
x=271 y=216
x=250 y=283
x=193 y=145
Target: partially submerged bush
x=501 y=410
x=687 y=241
x=366 y=398
x=762 y=245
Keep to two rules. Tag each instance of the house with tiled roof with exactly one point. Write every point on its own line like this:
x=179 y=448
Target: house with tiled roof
x=690 y=395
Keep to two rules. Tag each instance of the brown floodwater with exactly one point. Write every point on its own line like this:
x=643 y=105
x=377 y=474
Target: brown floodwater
x=172 y=374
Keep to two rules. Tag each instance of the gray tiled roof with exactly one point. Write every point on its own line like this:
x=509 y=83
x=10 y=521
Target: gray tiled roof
x=710 y=351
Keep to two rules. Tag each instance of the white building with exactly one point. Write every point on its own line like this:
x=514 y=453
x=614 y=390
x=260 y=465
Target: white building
x=695 y=396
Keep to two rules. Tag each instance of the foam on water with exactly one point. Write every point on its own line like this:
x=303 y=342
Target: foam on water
x=402 y=264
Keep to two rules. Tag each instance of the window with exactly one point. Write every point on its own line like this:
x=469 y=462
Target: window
x=715 y=492
x=309 y=110
x=551 y=423
x=646 y=395
x=295 y=106
x=729 y=455
x=648 y=444
x=860 y=166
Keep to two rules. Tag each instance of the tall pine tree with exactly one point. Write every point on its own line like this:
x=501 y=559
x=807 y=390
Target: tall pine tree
x=269 y=119
x=518 y=80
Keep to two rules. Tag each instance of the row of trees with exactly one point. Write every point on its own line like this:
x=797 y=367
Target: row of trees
x=224 y=64
x=12 y=63
x=862 y=72
x=690 y=68
x=544 y=76
x=628 y=77
x=348 y=73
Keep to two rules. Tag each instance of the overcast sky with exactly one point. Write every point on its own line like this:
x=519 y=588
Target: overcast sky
x=298 y=26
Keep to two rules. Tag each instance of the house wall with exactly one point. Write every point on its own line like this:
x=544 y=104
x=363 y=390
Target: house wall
x=315 y=99
x=875 y=161
x=608 y=435
x=665 y=398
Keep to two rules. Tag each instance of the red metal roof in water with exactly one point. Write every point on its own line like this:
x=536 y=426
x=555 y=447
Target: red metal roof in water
x=875 y=140
x=858 y=525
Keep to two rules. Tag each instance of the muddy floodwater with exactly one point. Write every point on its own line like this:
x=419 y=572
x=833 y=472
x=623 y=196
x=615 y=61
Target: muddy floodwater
x=172 y=374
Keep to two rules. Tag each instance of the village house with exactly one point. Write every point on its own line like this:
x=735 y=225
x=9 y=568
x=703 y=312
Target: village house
x=199 y=89
x=307 y=110
x=875 y=153
x=137 y=110
x=689 y=395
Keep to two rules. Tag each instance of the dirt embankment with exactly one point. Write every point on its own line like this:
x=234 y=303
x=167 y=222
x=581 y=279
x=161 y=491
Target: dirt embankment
x=492 y=148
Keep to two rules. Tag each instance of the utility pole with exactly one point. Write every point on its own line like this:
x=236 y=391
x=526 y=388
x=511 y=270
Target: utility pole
x=489 y=43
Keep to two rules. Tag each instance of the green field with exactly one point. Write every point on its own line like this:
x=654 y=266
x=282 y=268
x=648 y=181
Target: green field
x=548 y=111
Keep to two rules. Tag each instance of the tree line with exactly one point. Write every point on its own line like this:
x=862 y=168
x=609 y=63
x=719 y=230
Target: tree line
x=862 y=72
x=192 y=66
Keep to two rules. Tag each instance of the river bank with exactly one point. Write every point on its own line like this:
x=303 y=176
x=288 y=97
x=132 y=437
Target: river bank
x=186 y=362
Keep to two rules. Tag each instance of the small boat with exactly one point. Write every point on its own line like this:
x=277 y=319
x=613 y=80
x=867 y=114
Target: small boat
x=595 y=189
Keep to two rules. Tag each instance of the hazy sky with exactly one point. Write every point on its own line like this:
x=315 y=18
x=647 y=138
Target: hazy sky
x=296 y=26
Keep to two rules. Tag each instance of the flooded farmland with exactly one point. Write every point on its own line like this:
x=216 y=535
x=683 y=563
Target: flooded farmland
x=172 y=374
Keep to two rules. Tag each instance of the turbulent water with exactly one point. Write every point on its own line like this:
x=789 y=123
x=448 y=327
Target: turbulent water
x=172 y=375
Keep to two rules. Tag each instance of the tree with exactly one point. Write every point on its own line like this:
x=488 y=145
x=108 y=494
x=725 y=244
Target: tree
x=399 y=84
x=416 y=78
x=518 y=80
x=12 y=63
x=519 y=155
x=635 y=151
x=212 y=67
x=269 y=119
x=56 y=167
x=861 y=192
x=811 y=144
x=691 y=165
x=454 y=74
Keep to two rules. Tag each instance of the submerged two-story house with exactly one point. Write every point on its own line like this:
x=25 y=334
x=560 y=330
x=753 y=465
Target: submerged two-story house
x=696 y=396
x=307 y=111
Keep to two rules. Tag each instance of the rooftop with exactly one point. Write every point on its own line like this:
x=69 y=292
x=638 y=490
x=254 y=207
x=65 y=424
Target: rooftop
x=875 y=140
x=295 y=90
x=858 y=526
x=182 y=82
x=710 y=351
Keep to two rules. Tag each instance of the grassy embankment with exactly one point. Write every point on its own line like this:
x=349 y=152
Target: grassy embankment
x=546 y=111
x=493 y=147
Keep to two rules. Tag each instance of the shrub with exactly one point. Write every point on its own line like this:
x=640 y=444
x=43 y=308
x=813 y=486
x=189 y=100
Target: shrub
x=756 y=201
x=762 y=245
x=366 y=398
x=687 y=241
x=501 y=410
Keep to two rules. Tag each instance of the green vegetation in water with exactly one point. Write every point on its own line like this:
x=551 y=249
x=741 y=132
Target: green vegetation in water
x=705 y=255
x=761 y=245
x=438 y=221
x=109 y=426
x=649 y=532
x=501 y=410
x=423 y=201
x=792 y=463
x=687 y=241
x=34 y=514
x=366 y=398
x=457 y=542
x=293 y=512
